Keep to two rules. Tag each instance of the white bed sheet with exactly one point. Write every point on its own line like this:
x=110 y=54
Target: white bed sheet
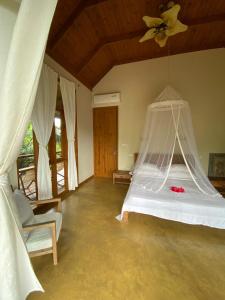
x=192 y=206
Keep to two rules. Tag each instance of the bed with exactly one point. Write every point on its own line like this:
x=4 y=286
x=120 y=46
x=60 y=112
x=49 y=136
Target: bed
x=191 y=206
x=162 y=187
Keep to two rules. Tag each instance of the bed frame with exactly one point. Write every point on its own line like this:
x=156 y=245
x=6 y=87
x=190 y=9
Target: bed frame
x=125 y=217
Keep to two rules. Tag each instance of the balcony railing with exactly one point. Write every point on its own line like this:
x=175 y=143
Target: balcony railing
x=60 y=177
x=26 y=175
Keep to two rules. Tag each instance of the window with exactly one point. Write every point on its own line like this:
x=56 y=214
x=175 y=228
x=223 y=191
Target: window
x=57 y=148
x=58 y=135
x=60 y=162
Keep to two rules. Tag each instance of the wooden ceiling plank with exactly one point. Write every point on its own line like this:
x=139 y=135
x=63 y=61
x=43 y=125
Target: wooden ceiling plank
x=205 y=20
x=163 y=54
x=72 y=18
x=106 y=41
x=139 y=33
x=117 y=26
x=101 y=75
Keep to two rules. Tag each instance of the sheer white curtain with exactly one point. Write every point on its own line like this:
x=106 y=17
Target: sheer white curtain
x=69 y=104
x=17 y=278
x=42 y=120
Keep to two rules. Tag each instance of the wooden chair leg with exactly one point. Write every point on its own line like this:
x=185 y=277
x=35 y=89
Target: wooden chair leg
x=54 y=246
x=125 y=217
x=59 y=207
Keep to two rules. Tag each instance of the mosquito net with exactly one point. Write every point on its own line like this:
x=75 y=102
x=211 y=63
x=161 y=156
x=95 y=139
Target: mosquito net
x=169 y=140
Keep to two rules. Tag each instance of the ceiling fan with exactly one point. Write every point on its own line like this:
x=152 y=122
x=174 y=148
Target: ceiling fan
x=165 y=26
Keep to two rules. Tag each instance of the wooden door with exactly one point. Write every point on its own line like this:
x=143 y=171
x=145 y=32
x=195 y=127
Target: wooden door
x=105 y=127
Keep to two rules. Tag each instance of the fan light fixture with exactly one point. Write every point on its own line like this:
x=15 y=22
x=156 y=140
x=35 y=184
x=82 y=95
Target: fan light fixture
x=165 y=26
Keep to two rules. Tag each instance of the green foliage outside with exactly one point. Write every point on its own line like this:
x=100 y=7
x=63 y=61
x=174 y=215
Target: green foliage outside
x=27 y=148
x=58 y=134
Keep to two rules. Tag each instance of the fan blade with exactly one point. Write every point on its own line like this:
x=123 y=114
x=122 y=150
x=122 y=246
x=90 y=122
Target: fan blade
x=148 y=35
x=179 y=27
x=170 y=16
x=161 y=41
x=152 y=22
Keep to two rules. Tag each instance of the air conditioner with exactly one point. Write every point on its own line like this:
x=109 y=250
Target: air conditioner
x=106 y=99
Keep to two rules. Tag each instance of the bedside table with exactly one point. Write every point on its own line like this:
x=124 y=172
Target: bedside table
x=218 y=184
x=120 y=176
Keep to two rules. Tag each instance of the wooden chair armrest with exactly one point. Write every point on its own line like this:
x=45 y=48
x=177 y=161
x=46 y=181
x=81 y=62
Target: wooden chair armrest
x=39 y=202
x=48 y=201
x=30 y=227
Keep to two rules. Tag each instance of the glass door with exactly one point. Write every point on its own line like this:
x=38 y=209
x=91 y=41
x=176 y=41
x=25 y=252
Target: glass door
x=57 y=148
x=58 y=153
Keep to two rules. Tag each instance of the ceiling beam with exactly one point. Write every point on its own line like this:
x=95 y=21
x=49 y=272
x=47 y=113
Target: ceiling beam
x=71 y=19
x=139 y=33
x=149 y=56
x=106 y=41
x=101 y=75
x=172 y=52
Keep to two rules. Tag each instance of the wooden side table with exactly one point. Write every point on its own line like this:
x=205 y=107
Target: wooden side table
x=120 y=176
x=218 y=184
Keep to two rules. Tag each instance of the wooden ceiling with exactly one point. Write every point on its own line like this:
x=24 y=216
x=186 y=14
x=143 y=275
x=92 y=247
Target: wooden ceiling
x=89 y=37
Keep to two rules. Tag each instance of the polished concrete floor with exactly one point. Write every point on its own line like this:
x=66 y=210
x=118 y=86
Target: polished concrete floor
x=148 y=259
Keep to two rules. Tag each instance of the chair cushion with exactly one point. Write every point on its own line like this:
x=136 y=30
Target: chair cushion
x=39 y=239
x=23 y=207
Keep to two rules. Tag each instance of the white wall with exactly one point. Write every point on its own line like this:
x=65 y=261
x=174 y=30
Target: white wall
x=199 y=77
x=84 y=122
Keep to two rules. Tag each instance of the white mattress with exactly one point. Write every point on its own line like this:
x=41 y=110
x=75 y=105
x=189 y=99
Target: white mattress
x=192 y=207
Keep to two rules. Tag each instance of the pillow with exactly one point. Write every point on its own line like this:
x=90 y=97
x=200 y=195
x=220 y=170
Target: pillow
x=149 y=166
x=179 y=172
x=178 y=167
x=23 y=206
x=148 y=169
